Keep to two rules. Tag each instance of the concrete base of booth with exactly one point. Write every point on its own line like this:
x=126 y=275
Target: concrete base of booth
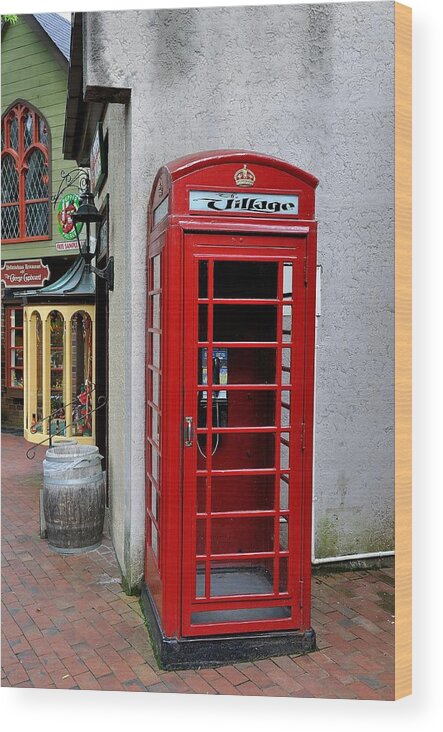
x=182 y=653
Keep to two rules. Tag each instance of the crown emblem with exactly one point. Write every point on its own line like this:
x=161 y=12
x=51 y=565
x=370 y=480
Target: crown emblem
x=244 y=177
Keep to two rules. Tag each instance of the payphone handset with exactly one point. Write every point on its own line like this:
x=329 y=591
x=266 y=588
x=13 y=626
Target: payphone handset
x=219 y=397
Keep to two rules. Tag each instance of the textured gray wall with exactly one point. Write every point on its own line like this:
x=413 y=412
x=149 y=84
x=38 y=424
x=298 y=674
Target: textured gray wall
x=312 y=84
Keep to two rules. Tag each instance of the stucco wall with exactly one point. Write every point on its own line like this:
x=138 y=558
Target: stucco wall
x=312 y=85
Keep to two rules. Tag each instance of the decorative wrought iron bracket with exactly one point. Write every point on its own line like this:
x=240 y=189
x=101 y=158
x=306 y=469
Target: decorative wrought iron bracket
x=70 y=178
x=107 y=273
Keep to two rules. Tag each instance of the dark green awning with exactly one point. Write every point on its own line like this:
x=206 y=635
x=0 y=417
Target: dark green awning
x=76 y=281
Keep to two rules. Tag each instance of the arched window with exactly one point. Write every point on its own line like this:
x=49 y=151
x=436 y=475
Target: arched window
x=25 y=174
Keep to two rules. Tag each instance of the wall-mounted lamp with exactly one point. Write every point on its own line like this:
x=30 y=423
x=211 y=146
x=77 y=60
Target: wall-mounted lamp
x=87 y=214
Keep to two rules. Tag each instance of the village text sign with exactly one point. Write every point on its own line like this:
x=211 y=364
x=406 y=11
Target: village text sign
x=25 y=273
x=267 y=203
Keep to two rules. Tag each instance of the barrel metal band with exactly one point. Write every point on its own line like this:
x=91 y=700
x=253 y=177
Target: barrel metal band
x=74 y=481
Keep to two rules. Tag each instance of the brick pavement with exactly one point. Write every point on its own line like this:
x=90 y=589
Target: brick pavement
x=66 y=622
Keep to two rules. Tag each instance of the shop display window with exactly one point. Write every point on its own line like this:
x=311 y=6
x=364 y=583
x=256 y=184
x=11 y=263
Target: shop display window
x=60 y=394
x=14 y=347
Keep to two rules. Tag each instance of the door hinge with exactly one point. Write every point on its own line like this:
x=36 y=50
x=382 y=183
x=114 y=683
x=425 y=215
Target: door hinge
x=303 y=435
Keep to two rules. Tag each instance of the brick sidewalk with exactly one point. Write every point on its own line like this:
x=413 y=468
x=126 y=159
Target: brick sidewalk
x=66 y=622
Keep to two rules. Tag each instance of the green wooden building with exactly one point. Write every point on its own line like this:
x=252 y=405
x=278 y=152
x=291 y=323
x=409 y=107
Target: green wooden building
x=37 y=247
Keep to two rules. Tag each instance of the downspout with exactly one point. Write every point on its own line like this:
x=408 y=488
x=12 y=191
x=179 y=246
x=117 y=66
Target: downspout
x=346 y=557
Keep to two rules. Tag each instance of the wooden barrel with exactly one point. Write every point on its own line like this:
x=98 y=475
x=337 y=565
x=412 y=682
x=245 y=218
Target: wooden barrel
x=73 y=498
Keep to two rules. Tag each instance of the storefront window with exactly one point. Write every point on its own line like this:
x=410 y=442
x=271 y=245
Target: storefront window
x=81 y=394
x=59 y=385
x=14 y=347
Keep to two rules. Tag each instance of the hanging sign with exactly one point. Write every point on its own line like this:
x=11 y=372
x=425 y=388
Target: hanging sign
x=24 y=273
x=68 y=205
x=267 y=203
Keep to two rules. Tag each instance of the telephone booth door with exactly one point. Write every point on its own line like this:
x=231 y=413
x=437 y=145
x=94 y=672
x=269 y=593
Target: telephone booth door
x=243 y=421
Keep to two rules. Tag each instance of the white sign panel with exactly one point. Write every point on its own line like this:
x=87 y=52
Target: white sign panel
x=268 y=203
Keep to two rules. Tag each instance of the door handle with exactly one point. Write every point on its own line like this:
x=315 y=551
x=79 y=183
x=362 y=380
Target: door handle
x=189 y=432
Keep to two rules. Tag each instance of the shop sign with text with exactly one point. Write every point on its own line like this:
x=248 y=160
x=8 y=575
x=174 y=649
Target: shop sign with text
x=25 y=273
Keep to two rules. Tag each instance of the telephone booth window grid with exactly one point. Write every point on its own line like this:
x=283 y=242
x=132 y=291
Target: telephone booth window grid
x=153 y=497
x=245 y=353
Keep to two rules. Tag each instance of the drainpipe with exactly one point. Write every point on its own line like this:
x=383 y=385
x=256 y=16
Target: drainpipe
x=350 y=557
x=346 y=557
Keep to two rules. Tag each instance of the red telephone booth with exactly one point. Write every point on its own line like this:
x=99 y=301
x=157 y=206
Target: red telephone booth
x=231 y=270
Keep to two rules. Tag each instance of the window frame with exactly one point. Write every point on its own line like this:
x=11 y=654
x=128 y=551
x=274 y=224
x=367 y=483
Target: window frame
x=9 y=329
x=20 y=108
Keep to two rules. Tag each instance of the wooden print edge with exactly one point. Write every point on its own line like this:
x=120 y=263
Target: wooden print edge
x=403 y=350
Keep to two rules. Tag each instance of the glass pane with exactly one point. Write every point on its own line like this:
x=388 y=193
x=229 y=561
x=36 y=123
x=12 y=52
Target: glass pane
x=154 y=424
x=18 y=318
x=28 y=130
x=238 y=408
x=156 y=272
x=81 y=376
x=38 y=415
x=200 y=583
x=242 y=535
x=155 y=304
x=36 y=176
x=238 y=451
x=154 y=502
x=285 y=414
x=202 y=323
x=284 y=492
x=239 y=366
x=256 y=280
x=201 y=495
x=287 y=280
x=155 y=350
x=284 y=533
x=287 y=323
x=155 y=460
x=284 y=451
x=9 y=181
x=56 y=329
x=17 y=378
x=241 y=615
x=16 y=357
x=283 y=575
x=154 y=540
x=245 y=323
x=286 y=366
x=16 y=338
x=253 y=577
x=13 y=134
x=155 y=388
x=203 y=279
x=242 y=493
x=42 y=132
x=37 y=220
x=10 y=222
x=201 y=537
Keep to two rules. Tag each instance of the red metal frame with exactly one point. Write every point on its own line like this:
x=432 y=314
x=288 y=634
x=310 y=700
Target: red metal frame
x=184 y=238
x=19 y=109
x=9 y=329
